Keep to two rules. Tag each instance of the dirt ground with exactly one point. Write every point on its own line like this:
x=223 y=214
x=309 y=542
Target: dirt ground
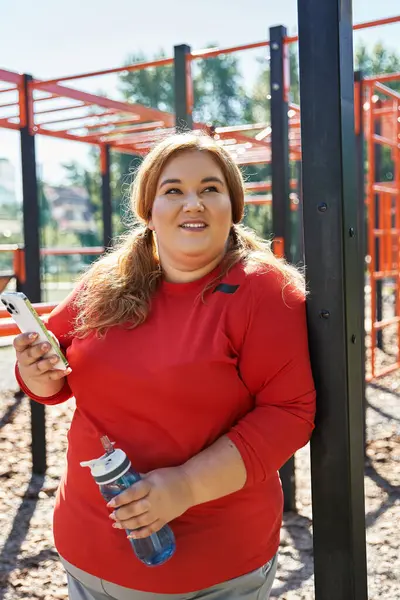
x=29 y=566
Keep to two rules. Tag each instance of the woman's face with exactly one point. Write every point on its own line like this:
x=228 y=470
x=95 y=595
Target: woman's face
x=192 y=213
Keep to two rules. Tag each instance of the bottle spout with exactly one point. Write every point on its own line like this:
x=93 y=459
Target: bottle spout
x=107 y=444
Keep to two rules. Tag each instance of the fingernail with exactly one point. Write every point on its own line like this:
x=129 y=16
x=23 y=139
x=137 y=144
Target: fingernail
x=112 y=516
x=117 y=526
x=54 y=359
x=67 y=371
x=111 y=504
x=45 y=346
x=32 y=336
x=132 y=536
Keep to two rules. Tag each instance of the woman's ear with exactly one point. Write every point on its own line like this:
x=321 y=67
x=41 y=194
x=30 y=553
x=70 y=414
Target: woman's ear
x=150 y=225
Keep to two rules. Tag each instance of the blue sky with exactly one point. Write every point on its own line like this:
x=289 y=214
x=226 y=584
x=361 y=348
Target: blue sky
x=49 y=39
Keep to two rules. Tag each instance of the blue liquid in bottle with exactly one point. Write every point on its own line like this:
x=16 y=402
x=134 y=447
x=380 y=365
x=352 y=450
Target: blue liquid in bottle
x=113 y=474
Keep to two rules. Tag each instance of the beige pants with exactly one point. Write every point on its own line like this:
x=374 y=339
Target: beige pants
x=252 y=586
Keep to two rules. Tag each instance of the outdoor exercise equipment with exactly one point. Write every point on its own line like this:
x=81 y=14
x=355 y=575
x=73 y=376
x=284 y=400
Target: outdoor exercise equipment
x=332 y=210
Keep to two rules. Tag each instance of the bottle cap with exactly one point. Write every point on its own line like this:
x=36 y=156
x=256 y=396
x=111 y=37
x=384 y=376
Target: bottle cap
x=108 y=467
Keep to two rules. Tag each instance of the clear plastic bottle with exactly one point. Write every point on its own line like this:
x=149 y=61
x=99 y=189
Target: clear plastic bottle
x=113 y=473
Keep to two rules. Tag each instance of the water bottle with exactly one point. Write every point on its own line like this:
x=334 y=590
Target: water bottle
x=113 y=474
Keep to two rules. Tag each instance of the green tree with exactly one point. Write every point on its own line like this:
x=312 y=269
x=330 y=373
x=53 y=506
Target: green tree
x=219 y=94
x=378 y=61
x=152 y=87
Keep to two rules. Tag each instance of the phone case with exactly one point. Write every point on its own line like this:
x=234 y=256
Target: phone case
x=27 y=320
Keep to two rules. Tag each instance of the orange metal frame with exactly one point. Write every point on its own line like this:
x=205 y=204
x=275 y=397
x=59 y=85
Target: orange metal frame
x=387 y=195
x=59 y=111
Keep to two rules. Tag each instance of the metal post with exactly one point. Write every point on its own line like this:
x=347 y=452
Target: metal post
x=280 y=84
x=333 y=271
x=31 y=227
x=183 y=88
x=362 y=227
x=281 y=223
x=378 y=178
x=299 y=232
x=106 y=195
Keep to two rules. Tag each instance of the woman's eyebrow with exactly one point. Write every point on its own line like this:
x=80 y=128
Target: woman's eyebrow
x=210 y=179
x=204 y=180
x=166 y=181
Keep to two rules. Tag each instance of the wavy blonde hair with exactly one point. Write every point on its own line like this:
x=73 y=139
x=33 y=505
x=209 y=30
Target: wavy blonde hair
x=118 y=287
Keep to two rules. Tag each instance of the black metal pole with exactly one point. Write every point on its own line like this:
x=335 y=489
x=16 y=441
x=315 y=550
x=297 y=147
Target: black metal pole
x=362 y=225
x=31 y=287
x=300 y=235
x=379 y=282
x=333 y=262
x=279 y=80
x=106 y=195
x=281 y=223
x=183 y=88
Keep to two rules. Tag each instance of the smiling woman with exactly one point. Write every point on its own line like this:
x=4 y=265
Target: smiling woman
x=191 y=216
x=188 y=349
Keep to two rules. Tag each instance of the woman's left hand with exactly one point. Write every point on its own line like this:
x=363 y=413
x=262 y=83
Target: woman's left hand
x=161 y=496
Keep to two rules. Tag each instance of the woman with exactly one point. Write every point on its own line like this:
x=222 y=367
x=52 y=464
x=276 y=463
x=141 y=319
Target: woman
x=188 y=348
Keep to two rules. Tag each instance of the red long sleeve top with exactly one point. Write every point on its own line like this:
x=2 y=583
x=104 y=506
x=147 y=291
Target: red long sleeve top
x=236 y=363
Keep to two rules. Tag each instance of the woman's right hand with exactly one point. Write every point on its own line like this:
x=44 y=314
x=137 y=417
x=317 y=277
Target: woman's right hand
x=37 y=372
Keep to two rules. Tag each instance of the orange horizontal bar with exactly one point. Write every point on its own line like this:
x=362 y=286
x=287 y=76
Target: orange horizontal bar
x=384 y=188
x=140 y=126
x=10 y=77
x=122 y=132
x=51 y=110
x=135 y=140
x=4 y=90
x=112 y=123
x=128 y=150
x=42 y=98
x=210 y=52
x=386 y=90
x=8 y=327
x=88 y=116
x=383 y=372
x=385 y=323
x=161 y=62
x=377 y=23
x=358 y=26
x=8 y=105
x=125 y=107
x=382 y=78
x=62 y=135
x=7 y=125
x=379 y=139
x=69 y=251
x=292 y=39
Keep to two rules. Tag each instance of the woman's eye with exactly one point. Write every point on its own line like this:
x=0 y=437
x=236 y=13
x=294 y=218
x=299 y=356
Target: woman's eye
x=211 y=188
x=173 y=191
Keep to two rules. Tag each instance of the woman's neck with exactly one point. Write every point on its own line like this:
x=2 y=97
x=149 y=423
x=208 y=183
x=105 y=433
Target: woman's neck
x=186 y=274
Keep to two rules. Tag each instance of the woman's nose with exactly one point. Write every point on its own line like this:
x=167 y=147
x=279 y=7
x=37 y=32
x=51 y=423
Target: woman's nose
x=193 y=203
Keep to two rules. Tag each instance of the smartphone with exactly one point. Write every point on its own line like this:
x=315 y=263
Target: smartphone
x=28 y=321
